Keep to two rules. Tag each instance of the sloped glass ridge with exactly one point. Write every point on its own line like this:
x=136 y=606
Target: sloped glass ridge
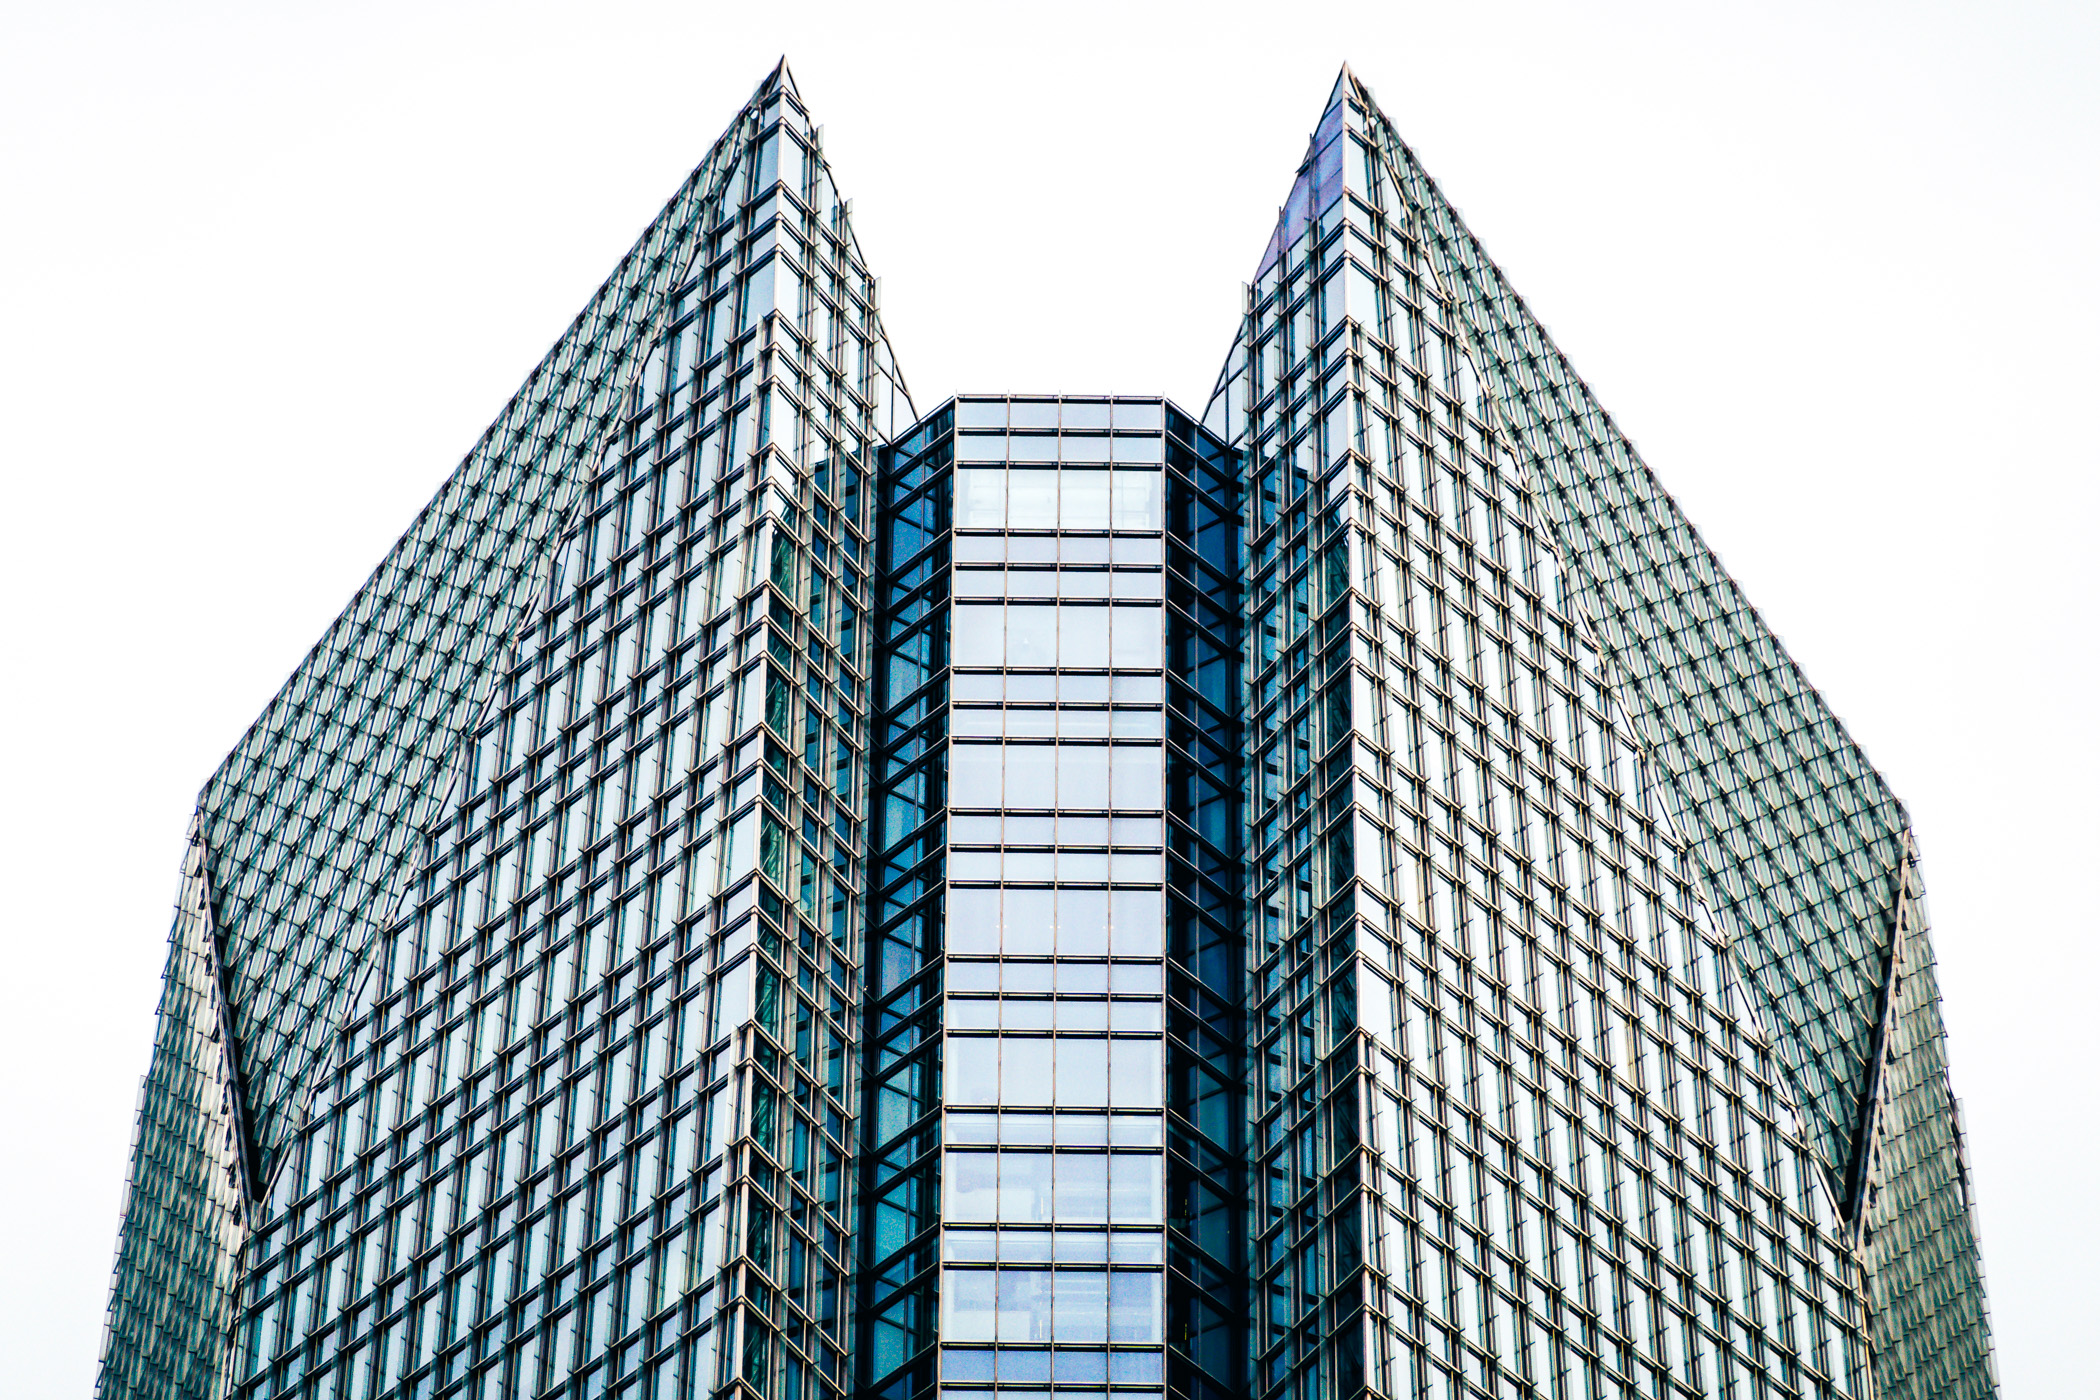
x=502 y=834
x=1591 y=796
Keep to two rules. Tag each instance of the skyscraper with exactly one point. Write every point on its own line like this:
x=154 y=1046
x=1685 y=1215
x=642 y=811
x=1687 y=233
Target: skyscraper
x=767 y=890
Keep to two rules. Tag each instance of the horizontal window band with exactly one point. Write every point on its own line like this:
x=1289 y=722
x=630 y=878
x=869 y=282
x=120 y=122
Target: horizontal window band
x=1048 y=1035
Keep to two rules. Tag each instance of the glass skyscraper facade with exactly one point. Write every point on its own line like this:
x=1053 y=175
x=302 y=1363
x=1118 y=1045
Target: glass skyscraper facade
x=1055 y=978
x=766 y=891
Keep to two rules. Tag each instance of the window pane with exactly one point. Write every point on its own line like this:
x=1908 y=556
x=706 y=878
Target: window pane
x=1085 y=500
x=973 y=865
x=1082 y=1368
x=1137 y=923
x=1083 y=638
x=973 y=774
x=1030 y=921
x=980 y=498
x=1090 y=867
x=1024 y=1073
x=1140 y=637
x=1031 y=831
x=1024 y=1187
x=1082 y=1074
x=1139 y=415
x=968 y=1304
x=1138 y=778
x=1086 y=415
x=733 y=998
x=972 y=1185
x=1034 y=413
x=1137 y=1074
x=1031 y=865
x=1082 y=979
x=1134 y=1311
x=973 y=921
x=1082 y=1188
x=1031 y=775
x=1025 y=1246
x=1138 y=499
x=1140 y=549
x=1024 y=1305
x=982 y=1246
x=1082 y=1306
x=1019 y=1368
x=1031 y=500
x=1134 y=1190
x=971 y=1069
x=1136 y=979
x=1140 y=867
x=1082 y=776
x=1031 y=634
x=1082 y=923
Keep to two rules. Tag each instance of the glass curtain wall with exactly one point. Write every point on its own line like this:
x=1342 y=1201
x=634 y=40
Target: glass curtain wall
x=1027 y=919
x=900 y=1125
x=1206 y=910
x=1515 y=1129
x=761 y=896
x=304 y=835
x=587 y=1124
x=1800 y=846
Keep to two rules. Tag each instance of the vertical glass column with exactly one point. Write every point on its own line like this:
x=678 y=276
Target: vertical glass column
x=900 y=1120
x=1052 y=1237
x=1207 y=1295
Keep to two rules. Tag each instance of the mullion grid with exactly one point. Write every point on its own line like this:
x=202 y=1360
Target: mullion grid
x=1206 y=1178
x=1784 y=781
x=274 y=798
x=901 y=1107
x=1091 y=1346
x=1447 y=551
x=768 y=1108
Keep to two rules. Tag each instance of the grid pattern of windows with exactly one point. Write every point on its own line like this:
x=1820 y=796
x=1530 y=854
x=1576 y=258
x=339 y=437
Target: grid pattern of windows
x=306 y=832
x=588 y=1121
x=1057 y=938
x=1206 y=945
x=901 y=1120
x=1513 y=1131
x=1053 y=1054
x=187 y=1204
x=1925 y=1297
x=1797 y=838
x=755 y=898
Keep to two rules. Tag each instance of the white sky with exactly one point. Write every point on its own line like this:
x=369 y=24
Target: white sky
x=267 y=270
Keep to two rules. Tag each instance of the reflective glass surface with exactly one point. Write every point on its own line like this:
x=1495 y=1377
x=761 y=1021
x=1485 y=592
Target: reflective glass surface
x=763 y=893
x=1054 y=799
x=509 y=1046
x=1582 y=934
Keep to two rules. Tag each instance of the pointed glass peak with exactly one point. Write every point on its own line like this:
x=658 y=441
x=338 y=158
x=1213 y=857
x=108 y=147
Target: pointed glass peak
x=1320 y=177
x=780 y=80
x=1342 y=80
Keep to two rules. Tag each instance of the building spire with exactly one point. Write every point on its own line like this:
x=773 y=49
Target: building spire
x=781 y=79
